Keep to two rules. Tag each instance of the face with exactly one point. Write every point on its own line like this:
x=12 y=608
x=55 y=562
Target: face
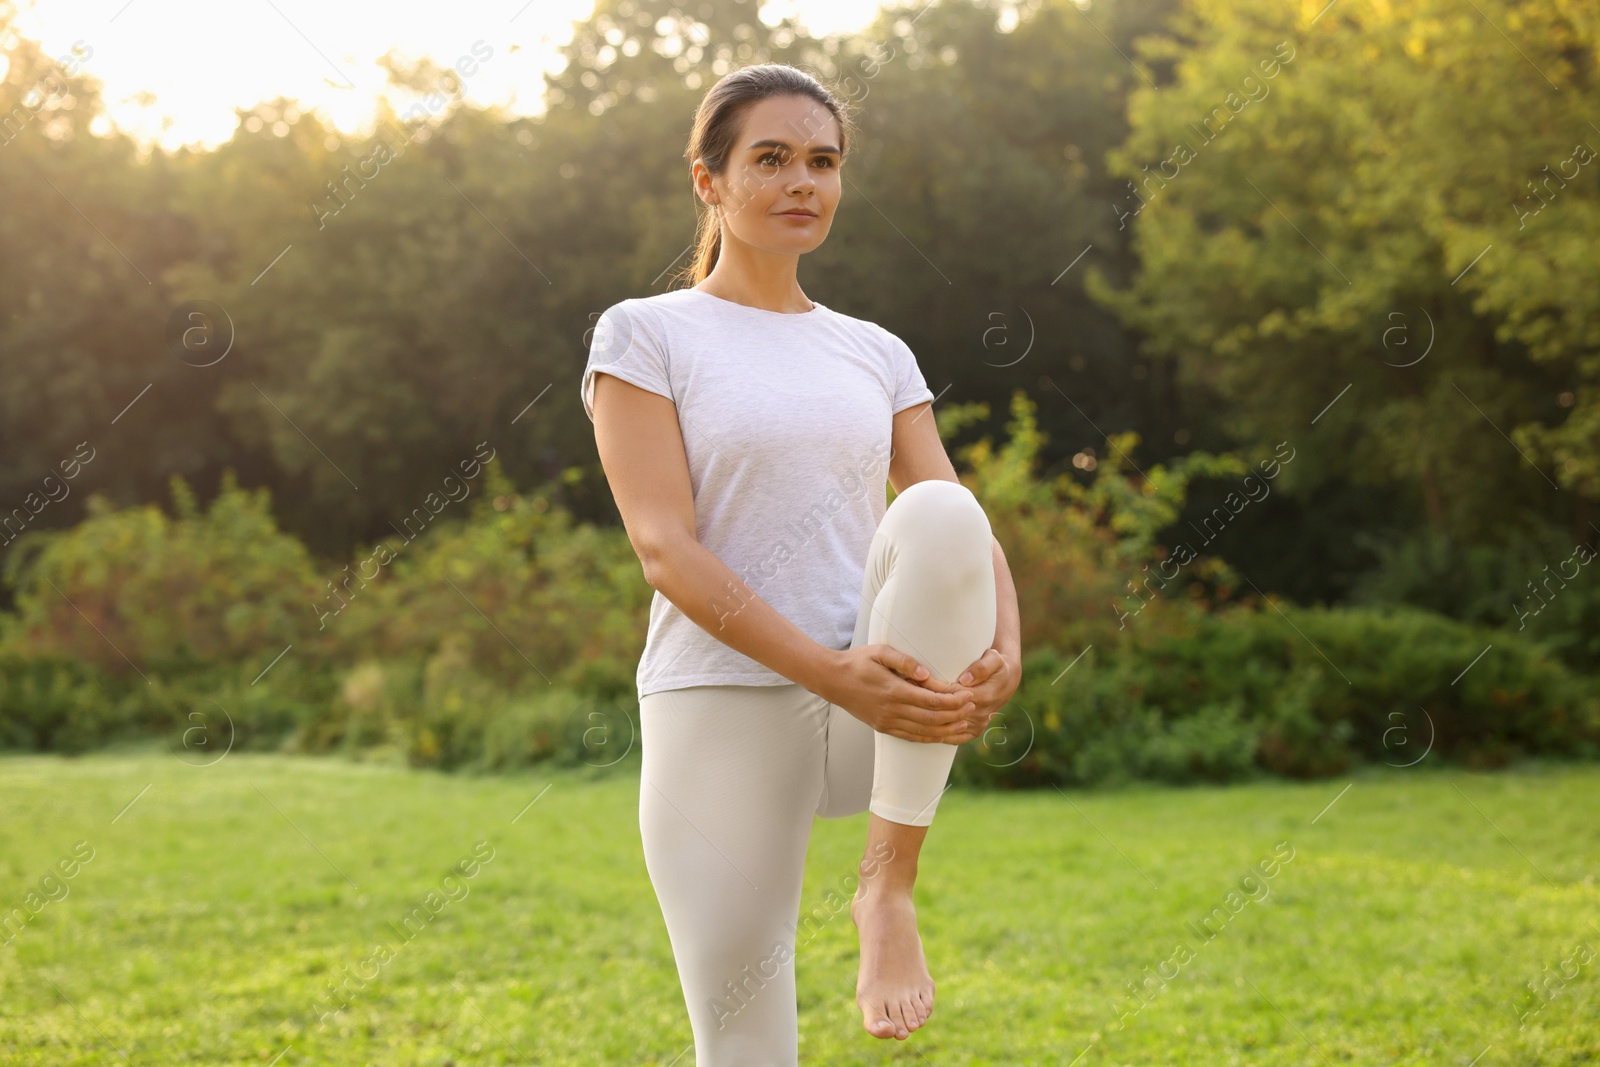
x=785 y=159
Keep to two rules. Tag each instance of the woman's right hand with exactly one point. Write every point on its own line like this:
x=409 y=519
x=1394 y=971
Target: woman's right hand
x=881 y=686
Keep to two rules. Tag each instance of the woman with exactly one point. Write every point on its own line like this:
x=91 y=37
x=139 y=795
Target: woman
x=811 y=652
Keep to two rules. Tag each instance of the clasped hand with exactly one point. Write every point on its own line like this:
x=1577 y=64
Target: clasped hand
x=893 y=693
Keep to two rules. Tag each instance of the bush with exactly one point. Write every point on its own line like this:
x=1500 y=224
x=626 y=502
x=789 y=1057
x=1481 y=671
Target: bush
x=1080 y=552
x=1544 y=585
x=134 y=590
x=55 y=704
x=518 y=592
x=510 y=636
x=444 y=713
x=1294 y=691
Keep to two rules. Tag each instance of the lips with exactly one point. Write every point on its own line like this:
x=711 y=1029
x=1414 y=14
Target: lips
x=800 y=214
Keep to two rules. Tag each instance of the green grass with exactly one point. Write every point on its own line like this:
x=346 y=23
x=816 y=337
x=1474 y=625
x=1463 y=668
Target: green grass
x=217 y=907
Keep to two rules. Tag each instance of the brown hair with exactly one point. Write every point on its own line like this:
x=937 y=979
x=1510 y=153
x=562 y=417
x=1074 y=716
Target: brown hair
x=717 y=122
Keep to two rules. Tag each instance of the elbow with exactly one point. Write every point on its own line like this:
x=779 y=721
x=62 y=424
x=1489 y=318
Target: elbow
x=656 y=555
x=651 y=565
x=649 y=562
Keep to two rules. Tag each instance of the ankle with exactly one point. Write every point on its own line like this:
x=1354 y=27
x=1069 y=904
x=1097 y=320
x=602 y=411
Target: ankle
x=883 y=890
x=898 y=869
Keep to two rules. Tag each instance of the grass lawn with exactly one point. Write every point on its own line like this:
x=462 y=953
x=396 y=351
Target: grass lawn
x=218 y=903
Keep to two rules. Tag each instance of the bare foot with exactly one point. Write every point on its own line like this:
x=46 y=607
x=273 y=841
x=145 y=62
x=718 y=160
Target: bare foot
x=893 y=988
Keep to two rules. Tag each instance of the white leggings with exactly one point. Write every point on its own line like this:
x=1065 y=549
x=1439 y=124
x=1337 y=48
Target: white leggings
x=733 y=774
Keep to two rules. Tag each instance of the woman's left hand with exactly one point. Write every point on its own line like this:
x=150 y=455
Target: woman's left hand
x=992 y=679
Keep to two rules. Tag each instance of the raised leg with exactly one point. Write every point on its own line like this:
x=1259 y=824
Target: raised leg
x=928 y=590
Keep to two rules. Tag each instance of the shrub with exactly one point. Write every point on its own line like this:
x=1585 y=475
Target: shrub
x=134 y=590
x=1081 y=554
x=518 y=592
x=53 y=703
x=1544 y=585
x=1303 y=692
x=50 y=703
x=444 y=713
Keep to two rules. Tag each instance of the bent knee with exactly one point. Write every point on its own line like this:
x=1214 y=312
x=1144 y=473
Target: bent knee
x=944 y=515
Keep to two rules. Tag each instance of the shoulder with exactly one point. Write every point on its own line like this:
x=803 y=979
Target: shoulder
x=654 y=306
x=636 y=321
x=634 y=309
x=888 y=345
x=881 y=338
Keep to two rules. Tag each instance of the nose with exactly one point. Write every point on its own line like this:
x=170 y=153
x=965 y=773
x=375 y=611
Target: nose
x=805 y=180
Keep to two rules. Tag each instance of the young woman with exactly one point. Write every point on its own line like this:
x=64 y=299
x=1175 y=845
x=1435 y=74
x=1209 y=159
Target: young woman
x=811 y=651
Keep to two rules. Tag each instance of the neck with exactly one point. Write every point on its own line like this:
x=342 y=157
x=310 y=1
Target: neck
x=758 y=279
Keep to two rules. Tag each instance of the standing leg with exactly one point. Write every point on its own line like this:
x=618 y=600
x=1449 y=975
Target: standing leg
x=727 y=791
x=928 y=591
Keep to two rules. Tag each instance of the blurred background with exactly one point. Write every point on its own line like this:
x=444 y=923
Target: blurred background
x=1225 y=303
x=1267 y=333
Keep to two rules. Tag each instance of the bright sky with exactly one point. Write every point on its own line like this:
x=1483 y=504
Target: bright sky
x=174 y=70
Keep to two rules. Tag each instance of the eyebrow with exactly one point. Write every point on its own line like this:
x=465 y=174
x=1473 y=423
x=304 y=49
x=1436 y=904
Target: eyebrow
x=825 y=148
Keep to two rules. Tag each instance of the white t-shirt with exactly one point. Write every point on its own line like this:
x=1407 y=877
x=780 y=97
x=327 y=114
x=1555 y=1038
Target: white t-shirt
x=787 y=423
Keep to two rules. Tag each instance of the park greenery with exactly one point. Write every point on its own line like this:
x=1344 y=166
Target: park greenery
x=1265 y=333
x=1276 y=922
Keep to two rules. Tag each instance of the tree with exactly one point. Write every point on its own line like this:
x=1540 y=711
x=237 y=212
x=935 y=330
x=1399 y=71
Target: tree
x=1328 y=197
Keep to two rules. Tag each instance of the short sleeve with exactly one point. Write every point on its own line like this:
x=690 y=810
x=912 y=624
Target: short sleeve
x=627 y=344
x=910 y=387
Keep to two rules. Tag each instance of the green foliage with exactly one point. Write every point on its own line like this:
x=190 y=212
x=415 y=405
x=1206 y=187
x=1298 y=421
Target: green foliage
x=1263 y=279
x=1075 y=550
x=135 y=623
x=1546 y=587
x=430 y=299
x=1311 y=190
x=1292 y=691
x=519 y=592
x=505 y=634
x=52 y=704
x=1266 y=276
x=444 y=714
x=66 y=704
x=134 y=589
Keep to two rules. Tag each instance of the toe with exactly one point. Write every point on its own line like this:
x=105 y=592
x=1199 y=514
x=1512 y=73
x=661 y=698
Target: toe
x=898 y=1014
x=876 y=1020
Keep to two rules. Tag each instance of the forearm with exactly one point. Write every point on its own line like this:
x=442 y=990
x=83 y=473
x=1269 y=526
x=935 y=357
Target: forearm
x=707 y=591
x=1008 y=619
